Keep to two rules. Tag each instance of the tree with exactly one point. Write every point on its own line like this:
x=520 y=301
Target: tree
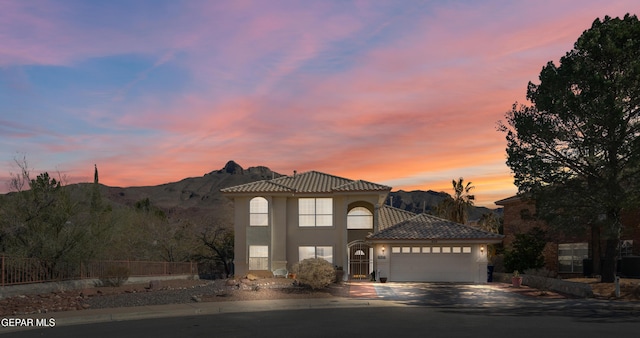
x=455 y=208
x=219 y=242
x=44 y=223
x=576 y=149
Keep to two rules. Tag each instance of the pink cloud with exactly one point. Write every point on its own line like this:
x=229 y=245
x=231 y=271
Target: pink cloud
x=425 y=100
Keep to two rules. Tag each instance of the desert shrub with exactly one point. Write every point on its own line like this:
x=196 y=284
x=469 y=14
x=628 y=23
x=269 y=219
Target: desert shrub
x=316 y=273
x=114 y=276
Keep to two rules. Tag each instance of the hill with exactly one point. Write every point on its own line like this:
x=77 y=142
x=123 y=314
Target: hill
x=199 y=198
x=194 y=198
x=419 y=201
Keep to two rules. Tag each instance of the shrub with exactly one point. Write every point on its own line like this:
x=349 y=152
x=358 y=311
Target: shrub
x=114 y=276
x=527 y=251
x=316 y=273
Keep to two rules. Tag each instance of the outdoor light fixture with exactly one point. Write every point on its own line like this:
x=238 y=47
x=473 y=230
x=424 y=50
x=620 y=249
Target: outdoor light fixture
x=383 y=250
x=482 y=249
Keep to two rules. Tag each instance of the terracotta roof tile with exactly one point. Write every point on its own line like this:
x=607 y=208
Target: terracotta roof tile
x=390 y=216
x=308 y=182
x=424 y=227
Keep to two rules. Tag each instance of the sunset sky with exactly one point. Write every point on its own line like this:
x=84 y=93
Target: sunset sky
x=402 y=93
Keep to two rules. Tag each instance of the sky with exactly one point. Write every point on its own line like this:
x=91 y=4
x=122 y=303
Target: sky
x=402 y=93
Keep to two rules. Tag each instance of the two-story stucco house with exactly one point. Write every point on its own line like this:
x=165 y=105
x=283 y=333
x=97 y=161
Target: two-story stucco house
x=282 y=221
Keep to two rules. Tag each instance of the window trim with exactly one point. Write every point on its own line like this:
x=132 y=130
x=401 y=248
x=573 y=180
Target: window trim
x=360 y=216
x=575 y=268
x=315 y=215
x=315 y=250
x=258 y=213
x=249 y=257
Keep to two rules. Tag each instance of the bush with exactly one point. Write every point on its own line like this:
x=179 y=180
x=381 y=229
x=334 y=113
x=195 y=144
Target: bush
x=114 y=276
x=526 y=252
x=315 y=272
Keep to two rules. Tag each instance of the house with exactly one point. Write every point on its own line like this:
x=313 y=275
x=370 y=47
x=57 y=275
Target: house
x=282 y=221
x=564 y=254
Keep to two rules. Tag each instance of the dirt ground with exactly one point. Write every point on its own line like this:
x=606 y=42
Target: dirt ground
x=629 y=288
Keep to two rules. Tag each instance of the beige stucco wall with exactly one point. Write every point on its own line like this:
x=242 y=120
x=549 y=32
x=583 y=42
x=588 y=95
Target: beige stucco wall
x=284 y=236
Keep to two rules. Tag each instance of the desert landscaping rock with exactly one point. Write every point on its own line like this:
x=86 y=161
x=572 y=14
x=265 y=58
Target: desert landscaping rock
x=169 y=292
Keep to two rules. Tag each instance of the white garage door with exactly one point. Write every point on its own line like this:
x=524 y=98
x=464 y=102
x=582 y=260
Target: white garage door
x=432 y=264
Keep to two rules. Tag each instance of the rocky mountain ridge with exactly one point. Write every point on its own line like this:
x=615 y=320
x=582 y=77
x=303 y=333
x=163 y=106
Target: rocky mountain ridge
x=198 y=199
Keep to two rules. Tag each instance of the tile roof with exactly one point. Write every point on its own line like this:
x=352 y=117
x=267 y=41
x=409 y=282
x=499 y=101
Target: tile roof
x=390 y=216
x=307 y=182
x=425 y=227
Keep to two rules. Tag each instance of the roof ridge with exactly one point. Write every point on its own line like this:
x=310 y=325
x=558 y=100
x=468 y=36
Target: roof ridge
x=331 y=175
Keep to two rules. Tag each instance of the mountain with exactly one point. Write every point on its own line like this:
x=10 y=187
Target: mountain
x=195 y=198
x=419 y=201
x=198 y=199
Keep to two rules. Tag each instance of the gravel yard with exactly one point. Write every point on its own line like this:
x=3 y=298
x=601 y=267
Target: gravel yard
x=163 y=292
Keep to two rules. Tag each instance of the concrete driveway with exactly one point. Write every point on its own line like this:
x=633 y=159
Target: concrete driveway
x=495 y=299
x=435 y=294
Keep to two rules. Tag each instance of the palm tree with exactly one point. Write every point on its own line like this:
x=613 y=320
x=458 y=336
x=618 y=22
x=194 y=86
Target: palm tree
x=454 y=208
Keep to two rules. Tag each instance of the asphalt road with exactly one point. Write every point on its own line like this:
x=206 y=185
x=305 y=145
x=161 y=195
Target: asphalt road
x=395 y=310
x=406 y=321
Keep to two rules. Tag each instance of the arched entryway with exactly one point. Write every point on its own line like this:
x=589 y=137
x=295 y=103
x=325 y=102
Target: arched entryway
x=360 y=260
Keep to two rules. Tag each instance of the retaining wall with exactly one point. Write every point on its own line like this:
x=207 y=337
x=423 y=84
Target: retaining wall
x=578 y=289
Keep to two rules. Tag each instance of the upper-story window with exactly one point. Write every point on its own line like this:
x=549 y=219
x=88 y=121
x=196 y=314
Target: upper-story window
x=359 y=218
x=315 y=212
x=259 y=212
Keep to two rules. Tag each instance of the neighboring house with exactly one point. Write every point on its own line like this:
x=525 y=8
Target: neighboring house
x=564 y=254
x=282 y=221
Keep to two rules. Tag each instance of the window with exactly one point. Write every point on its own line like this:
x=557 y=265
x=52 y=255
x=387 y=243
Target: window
x=406 y=249
x=626 y=248
x=466 y=249
x=258 y=212
x=324 y=252
x=426 y=249
x=315 y=212
x=570 y=256
x=456 y=249
x=395 y=249
x=359 y=218
x=446 y=249
x=435 y=249
x=258 y=257
x=415 y=249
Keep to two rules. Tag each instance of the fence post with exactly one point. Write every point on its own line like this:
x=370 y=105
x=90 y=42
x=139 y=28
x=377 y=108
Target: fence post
x=2 y=270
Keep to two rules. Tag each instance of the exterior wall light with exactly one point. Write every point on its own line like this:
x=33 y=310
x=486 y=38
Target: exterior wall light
x=482 y=249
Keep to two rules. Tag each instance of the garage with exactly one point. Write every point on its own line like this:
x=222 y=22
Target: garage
x=432 y=264
x=426 y=248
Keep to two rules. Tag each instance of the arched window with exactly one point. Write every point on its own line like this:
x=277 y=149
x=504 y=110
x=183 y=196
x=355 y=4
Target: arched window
x=259 y=212
x=359 y=218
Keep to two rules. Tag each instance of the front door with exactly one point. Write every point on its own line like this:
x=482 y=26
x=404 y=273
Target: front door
x=360 y=261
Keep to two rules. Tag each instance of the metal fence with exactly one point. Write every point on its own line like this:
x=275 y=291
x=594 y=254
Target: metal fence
x=19 y=270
